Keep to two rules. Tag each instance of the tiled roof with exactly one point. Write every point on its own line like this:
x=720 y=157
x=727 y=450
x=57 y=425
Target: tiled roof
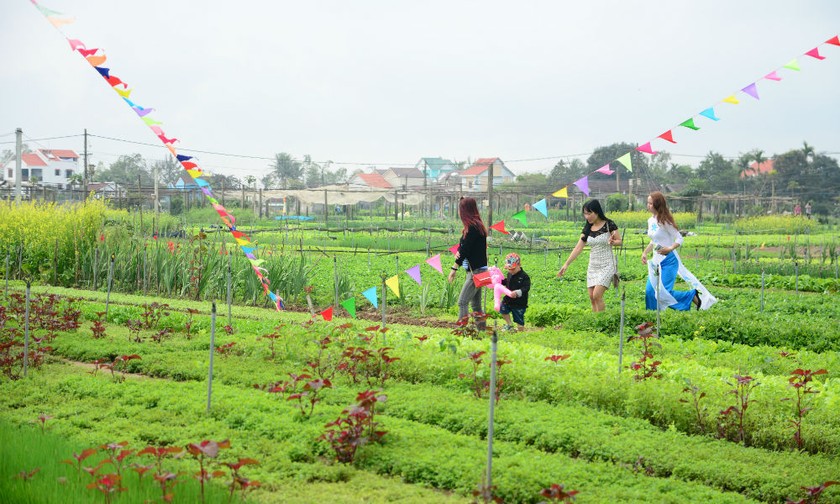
x=375 y=180
x=758 y=169
x=479 y=167
x=32 y=159
x=60 y=153
x=407 y=172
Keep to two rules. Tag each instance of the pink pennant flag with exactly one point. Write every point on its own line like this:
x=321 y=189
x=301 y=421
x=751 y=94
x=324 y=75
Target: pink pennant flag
x=773 y=76
x=434 y=262
x=166 y=140
x=454 y=248
x=414 y=273
x=87 y=52
x=75 y=44
x=815 y=53
x=751 y=90
x=605 y=170
x=646 y=148
x=583 y=185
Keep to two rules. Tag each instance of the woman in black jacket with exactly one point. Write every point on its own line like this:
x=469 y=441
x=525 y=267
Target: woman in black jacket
x=472 y=256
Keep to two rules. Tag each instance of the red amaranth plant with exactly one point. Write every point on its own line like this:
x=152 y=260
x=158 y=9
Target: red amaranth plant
x=204 y=450
x=696 y=397
x=800 y=380
x=355 y=427
x=646 y=367
x=557 y=358
x=742 y=389
x=78 y=458
x=108 y=485
x=557 y=493
x=98 y=326
x=237 y=480
x=189 y=323
x=812 y=494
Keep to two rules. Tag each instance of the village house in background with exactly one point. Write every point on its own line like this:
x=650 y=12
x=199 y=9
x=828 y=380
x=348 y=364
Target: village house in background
x=50 y=167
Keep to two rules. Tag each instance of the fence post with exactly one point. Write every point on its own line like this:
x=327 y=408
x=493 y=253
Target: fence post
x=621 y=333
x=26 y=331
x=493 y=346
x=7 y=272
x=384 y=298
x=761 y=303
x=229 y=289
x=335 y=279
x=212 y=351
x=110 y=283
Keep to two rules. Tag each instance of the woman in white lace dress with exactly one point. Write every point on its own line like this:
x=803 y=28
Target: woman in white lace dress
x=602 y=235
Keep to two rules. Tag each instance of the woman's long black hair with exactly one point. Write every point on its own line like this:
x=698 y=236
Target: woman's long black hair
x=594 y=206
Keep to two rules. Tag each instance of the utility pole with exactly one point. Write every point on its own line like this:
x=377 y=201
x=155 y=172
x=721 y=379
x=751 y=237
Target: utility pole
x=426 y=184
x=18 y=154
x=157 y=194
x=490 y=197
x=85 y=173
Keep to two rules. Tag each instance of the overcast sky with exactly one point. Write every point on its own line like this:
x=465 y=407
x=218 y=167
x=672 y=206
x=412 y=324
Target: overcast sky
x=386 y=82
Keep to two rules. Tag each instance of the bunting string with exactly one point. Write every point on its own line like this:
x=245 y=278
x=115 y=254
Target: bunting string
x=96 y=58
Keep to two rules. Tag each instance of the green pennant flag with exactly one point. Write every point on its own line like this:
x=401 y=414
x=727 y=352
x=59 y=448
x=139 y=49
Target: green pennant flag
x=792 y=65
x=520 y=216
x=689 y=123
x=626 y=162
x=350 y=306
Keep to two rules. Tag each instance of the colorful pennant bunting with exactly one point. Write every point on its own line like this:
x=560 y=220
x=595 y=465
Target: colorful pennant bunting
x=773 y=76
x=689 y=123
x=500 y=227
x=393 y=283
x=454 y=248
x=434 y=262
x=626 y=161
x=751 y=90
x=414 y=273
x=667 y=136
x=815 y=53
x=327 y=314
x=792 y=65
x=710 y=113
x=583 y=185
x=370 y=295
x=562 y=193
x=541 y=207
x=646 y=148
x=350 y=306
x=606 y=169
x=732 y=99
x=521 y=217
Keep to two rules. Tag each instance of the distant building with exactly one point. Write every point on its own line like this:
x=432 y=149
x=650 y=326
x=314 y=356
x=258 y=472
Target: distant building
x=107 y=190
x=369 y=181
x=405 y=178
x=476 y=177
x=435 y=167
x=51 y=167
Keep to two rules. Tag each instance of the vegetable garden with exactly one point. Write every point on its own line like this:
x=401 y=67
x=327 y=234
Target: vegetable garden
x=740 y=403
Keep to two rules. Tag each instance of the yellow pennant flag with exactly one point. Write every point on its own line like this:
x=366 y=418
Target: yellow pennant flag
x=393 y=283
x=562 y=193
x=731 y=99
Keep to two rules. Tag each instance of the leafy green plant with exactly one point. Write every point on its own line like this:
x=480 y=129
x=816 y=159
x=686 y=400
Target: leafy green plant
x=800 y=380
x=646 y=367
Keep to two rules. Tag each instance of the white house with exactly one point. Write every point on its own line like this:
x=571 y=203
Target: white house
x=406 y=178
x=475 y=178
x=51 y=167
x=435 y=167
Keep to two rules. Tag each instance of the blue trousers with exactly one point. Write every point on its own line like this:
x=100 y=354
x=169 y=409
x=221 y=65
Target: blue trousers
x=669 y=267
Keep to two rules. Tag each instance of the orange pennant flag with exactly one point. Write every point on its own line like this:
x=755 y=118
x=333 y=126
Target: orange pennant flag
x=96 y=60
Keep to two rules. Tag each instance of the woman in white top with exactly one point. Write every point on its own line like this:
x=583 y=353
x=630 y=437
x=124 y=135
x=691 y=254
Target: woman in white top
x=665 y=265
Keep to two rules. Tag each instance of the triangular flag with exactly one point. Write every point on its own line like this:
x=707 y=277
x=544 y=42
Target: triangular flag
x=646 y=148
x=393 y=283
x=500 y=227
x=583 y=185
x=667 y=136
x=96 y=60
x=350 y=306
x=414 y=273
x=773 y=76
x=626 y=162
x=606 y=169
x=59 y=22
x=327 y=314
x=434 y=262
x=731 y=99
x=792 y=65
x=815 y=53
x=521 y=217
x=751 y=90
x=689 y=123
x=710 y=113
x=76 y=43
x=370 y=295
x=835 y=40
x=454 y=248
x=562 y=193
x=540 y=206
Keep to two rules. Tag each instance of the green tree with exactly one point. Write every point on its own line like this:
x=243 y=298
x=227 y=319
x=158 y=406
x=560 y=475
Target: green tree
x=125 y=171
x=809 y=176
x=169 y=170
x=287 y=169
x=609 y=154
x=718 y=173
